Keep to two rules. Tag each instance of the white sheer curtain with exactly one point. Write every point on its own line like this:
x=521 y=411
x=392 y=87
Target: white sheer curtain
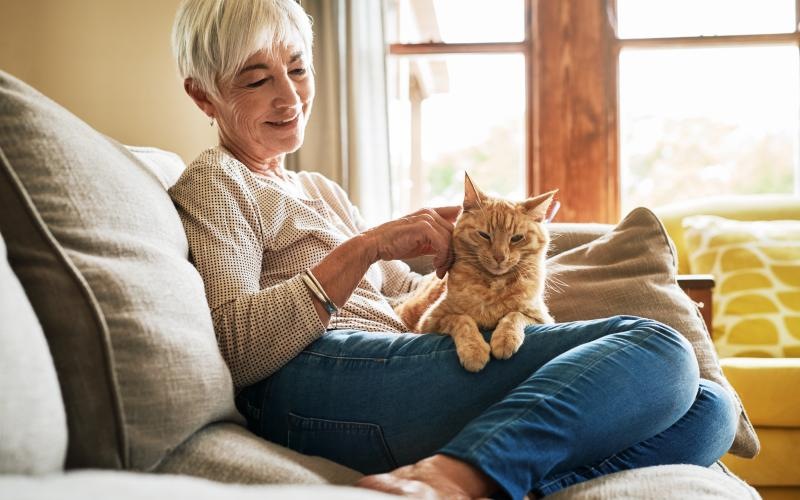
x=347 y=135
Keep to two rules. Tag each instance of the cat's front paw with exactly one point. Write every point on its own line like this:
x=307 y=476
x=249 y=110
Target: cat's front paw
x=505 y=342
x=473 y=354
x=541 y=317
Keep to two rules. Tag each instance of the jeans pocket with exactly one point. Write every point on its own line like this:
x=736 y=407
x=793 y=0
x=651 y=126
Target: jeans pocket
x=358 y=445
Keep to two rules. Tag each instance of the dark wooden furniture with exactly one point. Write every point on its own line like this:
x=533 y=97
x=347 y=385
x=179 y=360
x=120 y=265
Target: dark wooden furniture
x=698 y=287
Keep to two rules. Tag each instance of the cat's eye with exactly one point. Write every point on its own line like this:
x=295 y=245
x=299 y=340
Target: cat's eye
x=484 y=235
x=516 y=238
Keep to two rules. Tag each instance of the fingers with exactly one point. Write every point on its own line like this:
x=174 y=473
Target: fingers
x=434 y=214
x=449 y=213
x=441 y=241
x=424 y=232
x=441 y=221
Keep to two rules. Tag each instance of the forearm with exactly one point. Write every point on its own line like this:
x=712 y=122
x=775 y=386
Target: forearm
x=340 y=271
x=260 y=332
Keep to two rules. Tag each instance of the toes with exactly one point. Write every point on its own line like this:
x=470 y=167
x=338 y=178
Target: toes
x=474 y=356
x=505 y=345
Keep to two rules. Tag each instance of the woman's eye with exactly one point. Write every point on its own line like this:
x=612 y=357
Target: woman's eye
x=516 y=238
x=257 y=84
x=298 y=71
x=484 y=235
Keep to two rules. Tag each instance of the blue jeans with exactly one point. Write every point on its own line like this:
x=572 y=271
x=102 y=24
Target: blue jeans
x=577 y=401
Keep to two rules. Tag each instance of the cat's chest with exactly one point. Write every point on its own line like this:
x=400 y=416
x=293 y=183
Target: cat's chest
x=488 y=302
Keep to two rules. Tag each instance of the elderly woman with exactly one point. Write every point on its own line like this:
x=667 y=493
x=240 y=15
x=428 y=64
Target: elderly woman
x=299 y=290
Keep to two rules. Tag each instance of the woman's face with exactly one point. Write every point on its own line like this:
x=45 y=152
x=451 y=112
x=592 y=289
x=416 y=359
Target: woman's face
x=262 y=112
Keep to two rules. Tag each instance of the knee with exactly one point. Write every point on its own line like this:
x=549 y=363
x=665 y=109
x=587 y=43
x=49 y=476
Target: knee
x=718 y=423
x=673 y=347
x=666 y=359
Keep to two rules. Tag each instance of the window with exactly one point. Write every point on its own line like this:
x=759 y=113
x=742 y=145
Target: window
x=709 y=99
x=616 y=103
x=457 y=83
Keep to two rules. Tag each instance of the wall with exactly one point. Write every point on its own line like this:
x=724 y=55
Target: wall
x=109 y=62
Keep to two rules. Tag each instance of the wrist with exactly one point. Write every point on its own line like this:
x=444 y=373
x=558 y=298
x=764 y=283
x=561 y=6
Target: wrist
x=367 y=247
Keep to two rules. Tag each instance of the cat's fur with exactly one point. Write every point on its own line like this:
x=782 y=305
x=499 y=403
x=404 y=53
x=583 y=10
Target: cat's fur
x=495 y=282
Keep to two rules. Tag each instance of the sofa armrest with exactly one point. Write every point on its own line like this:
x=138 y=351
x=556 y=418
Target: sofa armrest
x=698 y=287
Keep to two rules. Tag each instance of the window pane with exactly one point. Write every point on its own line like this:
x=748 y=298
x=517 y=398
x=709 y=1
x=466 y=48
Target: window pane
x=672 y=18
x=455 y=21
x=700 y=122
x=456 y=113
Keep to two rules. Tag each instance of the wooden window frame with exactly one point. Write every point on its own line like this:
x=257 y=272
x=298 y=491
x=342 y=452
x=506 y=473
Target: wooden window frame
x=572 y=118
x=749 y=40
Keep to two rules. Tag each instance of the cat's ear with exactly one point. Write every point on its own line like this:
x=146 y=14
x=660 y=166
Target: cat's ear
x=537 y=206
x=473 y=197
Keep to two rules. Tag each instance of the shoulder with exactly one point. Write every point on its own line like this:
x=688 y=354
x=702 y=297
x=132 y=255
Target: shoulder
x=212 y=171
x=214 y=163
x=316 y=179
x=327 y=188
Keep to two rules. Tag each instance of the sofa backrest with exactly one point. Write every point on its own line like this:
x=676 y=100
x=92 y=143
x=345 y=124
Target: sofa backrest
x=744 y=207
x=33 y=426
x=98 y=246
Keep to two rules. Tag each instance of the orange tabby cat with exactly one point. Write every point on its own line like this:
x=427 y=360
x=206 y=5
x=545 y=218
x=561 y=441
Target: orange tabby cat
x=496 y=281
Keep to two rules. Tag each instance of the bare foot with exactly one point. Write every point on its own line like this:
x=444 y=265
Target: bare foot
x=434 y=478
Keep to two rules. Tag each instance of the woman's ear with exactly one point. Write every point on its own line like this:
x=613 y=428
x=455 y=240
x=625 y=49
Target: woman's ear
x=199 y=96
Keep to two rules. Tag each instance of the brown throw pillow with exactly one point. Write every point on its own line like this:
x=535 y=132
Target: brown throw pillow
x=632 y=270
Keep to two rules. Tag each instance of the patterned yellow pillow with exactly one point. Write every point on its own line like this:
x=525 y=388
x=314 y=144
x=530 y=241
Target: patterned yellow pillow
x=756 y=266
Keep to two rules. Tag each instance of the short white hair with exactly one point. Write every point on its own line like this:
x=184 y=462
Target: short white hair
x=212 y=39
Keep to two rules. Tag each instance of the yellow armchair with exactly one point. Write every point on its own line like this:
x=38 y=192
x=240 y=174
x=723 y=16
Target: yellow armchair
x=767 y=386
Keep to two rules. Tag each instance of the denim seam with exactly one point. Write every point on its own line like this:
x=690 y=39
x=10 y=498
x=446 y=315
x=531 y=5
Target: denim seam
x=351 y=358
x=348 y=423
x=544 y=488
x=499 y=428
x=547 y=488
x=387 y=358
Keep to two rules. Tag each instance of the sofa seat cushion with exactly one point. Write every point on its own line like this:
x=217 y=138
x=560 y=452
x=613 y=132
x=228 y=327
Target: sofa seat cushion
x=768 y=388
x=778 y=464
x=231 y=454
x=80 y=485
x=33 y=426
x=631 y=270
x=98 y=246
x=663 y=482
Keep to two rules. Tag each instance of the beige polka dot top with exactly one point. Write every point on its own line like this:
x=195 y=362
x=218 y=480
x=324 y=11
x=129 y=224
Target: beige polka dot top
x=250 y=237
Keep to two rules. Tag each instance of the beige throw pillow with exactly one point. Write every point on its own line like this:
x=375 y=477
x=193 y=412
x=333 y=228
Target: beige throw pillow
x=632 y=270
x=100 y=250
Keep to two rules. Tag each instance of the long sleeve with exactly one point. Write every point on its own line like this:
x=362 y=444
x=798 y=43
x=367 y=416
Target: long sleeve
x=259 y=329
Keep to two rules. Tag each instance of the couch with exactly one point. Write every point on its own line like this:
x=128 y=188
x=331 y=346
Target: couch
x=767 y=385
x=111 y=379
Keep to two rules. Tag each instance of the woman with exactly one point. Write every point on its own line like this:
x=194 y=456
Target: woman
x=300 y=291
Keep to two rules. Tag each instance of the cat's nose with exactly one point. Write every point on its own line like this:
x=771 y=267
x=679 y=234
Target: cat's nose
x=499 y=258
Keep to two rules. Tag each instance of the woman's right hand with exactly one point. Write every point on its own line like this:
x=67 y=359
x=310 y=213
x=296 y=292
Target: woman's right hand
x=425 y=232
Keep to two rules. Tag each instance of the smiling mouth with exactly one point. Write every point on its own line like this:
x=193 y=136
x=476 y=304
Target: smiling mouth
x=284 y=123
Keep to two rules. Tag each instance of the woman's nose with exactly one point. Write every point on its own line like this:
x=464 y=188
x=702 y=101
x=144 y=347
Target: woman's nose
x=286 y=94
